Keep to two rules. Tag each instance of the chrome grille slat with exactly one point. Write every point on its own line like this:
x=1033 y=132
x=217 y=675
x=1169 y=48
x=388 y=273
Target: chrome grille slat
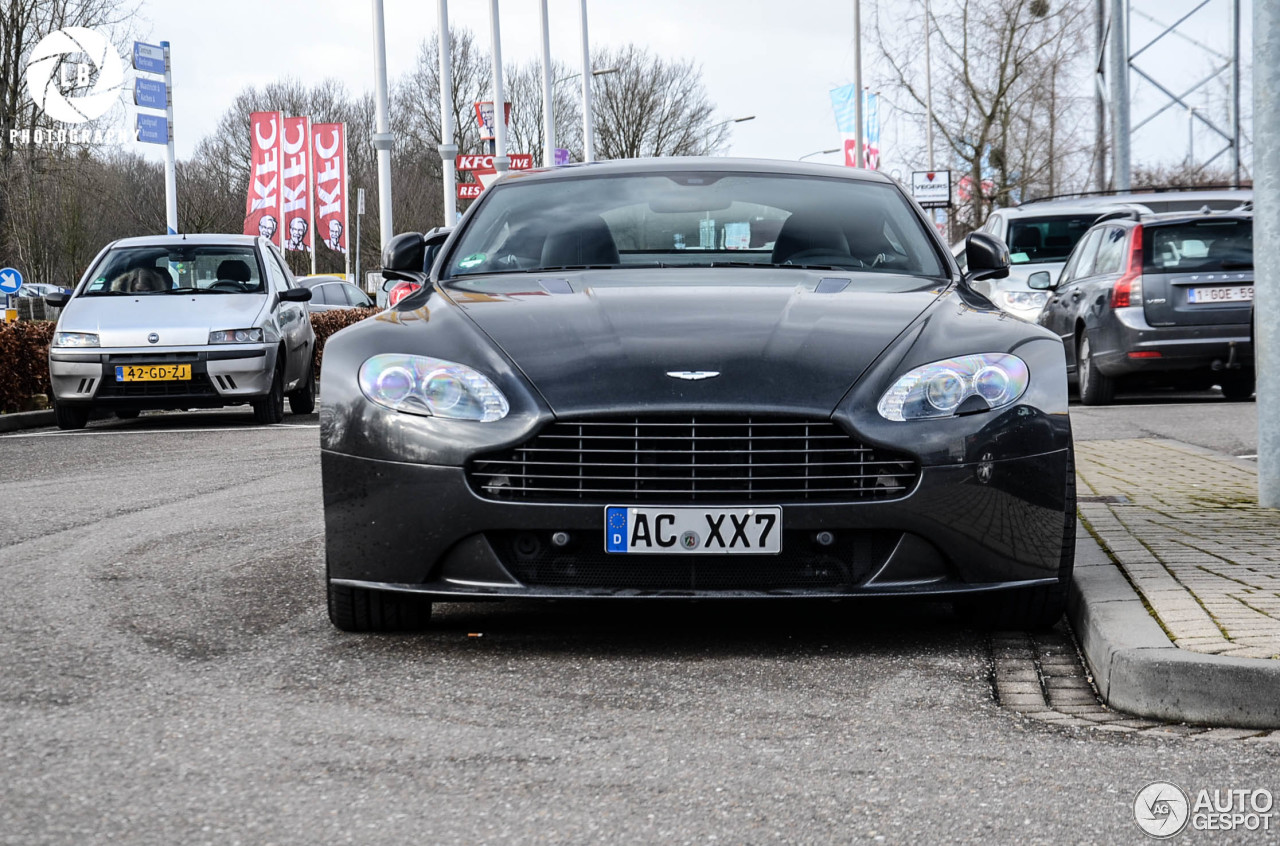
x=673 y=460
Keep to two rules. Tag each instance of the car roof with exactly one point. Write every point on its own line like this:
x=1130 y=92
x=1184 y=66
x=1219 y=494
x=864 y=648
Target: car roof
x=715 y=164
x=199 y=239
x=318 y=279
x=1058 y=208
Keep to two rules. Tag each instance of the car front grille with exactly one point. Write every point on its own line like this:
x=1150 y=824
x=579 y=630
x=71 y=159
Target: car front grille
x=671 y=460
x=803 y=564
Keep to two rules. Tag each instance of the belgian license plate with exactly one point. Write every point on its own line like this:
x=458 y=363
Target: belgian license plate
x=1220 y=294
x=684 y=530
x=153 y=373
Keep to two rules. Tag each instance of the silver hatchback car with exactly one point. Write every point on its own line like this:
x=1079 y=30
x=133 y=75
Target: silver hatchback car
x=183 y=321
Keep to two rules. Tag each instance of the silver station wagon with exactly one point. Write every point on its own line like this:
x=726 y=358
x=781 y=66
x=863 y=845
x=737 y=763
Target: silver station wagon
x=180 y=322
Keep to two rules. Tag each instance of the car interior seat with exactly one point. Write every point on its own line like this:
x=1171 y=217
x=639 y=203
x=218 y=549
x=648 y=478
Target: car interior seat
x=801 y=235
x=587 y=242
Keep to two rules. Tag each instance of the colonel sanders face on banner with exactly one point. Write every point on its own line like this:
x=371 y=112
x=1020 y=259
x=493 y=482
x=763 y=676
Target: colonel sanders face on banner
x=335 y=235
x=267 y=227
x=297 y=231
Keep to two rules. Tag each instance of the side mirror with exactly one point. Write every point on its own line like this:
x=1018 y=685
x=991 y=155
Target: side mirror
x=987 y=257
x=57 y=300
x=431 y=245
x=296 y=295
x=404 y=253
x=1040 y=281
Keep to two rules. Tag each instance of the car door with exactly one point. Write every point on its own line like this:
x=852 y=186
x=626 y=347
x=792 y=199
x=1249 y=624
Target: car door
x=1061 y=311
x=292 y=318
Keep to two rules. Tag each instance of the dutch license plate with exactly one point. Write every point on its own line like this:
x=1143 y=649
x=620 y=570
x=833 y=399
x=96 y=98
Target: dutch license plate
x=686 y=530
x=1220 y=294
x=153 y=373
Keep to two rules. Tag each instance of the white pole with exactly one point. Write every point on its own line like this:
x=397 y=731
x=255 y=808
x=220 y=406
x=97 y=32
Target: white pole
x=311 y=192
x=1266 y=222
x=500 y=161
x=857 y=80
x=382 y=137
x=170 y=163
x=448 y=149
x=588 y=137
x=548 y=114
x=346 y=215
x=359 y=214
x=1120 y=95
x=928 y=89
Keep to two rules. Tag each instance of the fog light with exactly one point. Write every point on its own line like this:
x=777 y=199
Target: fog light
x=825 y=538
x=560 y=539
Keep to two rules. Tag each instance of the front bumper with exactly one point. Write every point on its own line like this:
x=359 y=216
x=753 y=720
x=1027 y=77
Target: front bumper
x=964 y=528
x=220 y=375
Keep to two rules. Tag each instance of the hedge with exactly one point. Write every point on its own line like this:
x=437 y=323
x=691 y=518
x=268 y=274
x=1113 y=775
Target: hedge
x=24 y=353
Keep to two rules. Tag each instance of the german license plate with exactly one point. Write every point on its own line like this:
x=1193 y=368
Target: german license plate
x=154 y=373
x=683 y=530
x=1220 y=294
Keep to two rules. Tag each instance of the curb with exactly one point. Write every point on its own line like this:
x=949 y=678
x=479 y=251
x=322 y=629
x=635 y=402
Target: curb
x=1137 y=668
x=26 y=420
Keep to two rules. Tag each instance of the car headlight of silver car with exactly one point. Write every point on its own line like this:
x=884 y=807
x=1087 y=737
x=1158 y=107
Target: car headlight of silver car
x=940 y=388
x=75 y=339
x=236 y=336
x=1025 y=299
x=432 y=387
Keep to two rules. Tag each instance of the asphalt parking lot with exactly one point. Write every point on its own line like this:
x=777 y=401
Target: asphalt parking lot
x=171 y=677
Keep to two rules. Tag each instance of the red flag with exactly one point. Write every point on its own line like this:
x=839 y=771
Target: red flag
x=296 y=184
x=262 y=208
x=329 y=155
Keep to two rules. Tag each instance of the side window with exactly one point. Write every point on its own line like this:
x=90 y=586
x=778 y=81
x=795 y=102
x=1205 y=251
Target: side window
x=320 y=295
x=355 y=296
x=1069 y=272
x=1088 y=255
x=279 y=282
x=1110 y=251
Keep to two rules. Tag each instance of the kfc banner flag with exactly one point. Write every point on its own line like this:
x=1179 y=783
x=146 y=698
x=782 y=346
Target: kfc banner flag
x=262 y=209
x=329 y=155
x=296 y=184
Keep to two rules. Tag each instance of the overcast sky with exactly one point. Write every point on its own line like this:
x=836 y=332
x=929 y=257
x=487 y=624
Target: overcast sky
x=769 y=58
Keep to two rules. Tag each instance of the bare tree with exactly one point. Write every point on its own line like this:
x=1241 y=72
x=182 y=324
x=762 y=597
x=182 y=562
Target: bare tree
x=1004 y=106
x=652 y=107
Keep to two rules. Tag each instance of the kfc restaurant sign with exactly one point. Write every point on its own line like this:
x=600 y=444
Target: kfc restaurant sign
x=481 y=167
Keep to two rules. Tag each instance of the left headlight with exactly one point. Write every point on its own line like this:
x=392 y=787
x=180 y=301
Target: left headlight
x=75 y=339
x=1025 y=299
x=431 y=387
x=938 y=389
x=236 y=336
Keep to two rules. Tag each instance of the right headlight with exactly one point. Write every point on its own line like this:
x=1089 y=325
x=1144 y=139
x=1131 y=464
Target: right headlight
x=938 y=389
x=75 y=339
x=1025 y=299
x=432 y=387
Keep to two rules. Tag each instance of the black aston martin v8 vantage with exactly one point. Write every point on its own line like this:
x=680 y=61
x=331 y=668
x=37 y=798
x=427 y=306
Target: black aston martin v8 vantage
x=694 y=378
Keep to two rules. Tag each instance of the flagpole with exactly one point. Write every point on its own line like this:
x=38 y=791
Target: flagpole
x=311 y=193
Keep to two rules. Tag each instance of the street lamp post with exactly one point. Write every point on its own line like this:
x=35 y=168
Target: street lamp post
x=588 y=137
x=549 y=107
x=819 y=153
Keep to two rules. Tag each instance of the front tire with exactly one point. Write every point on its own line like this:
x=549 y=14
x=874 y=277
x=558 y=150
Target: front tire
x=303 y=400
x=359 y=610
x=70 y=416
x=1036 y=607
x=270 y=409
x=1095 y=387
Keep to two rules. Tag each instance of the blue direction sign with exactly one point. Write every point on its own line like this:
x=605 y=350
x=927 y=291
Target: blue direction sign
x=149 y=93
x=148 y=58
x=153 y=129
x=10 y=280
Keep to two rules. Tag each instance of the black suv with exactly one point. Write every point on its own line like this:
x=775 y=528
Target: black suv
x=1161 y=298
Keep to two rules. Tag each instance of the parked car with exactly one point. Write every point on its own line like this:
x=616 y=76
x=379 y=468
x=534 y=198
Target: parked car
x=1040 y=237
x=183 y=321
x=695 y=378
x=332 y=293
x=1157 y=298
x=40 y=289
x=398 y=285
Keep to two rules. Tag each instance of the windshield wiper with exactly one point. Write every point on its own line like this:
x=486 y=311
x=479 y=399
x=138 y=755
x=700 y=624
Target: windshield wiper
x=191 y=289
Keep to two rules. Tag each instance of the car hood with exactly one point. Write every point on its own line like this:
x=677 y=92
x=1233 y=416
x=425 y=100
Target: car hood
x=178 y=319
x=774 y=343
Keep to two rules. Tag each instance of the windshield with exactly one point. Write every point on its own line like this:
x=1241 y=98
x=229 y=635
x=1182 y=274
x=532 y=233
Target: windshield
x=1046 y=239
x=685 y=219
x=179 y=269
x=1199 y=245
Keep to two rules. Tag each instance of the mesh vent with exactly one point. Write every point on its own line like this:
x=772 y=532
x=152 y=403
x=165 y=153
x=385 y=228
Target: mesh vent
x=672 y=460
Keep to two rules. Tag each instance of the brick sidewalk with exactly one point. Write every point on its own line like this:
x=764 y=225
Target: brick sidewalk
x=1185 y=525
